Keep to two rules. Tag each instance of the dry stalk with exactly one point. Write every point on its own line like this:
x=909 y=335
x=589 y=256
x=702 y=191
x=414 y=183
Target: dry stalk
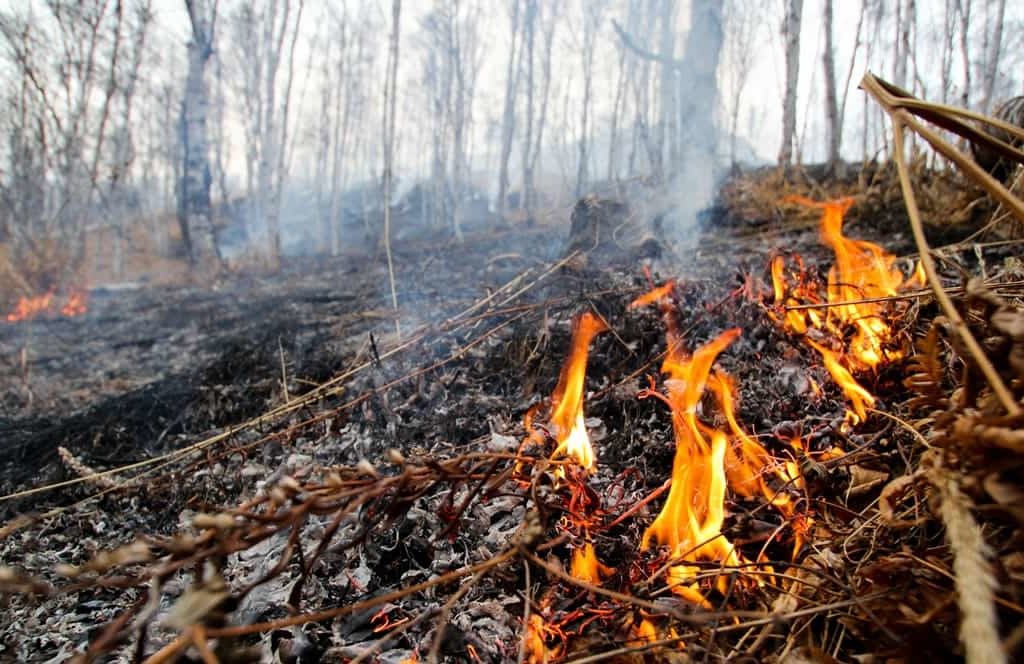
x=975 y=583
x=895 y=107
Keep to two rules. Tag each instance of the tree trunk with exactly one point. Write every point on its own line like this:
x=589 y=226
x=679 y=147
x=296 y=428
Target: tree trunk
x=703 y=50
x=832 y=127
x=388 y=135
x=791 y=35
x=527 y=55
x=992 y=58
x=194 y=213
x=508 y=118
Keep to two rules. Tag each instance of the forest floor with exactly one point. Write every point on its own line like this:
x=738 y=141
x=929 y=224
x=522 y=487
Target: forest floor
x=365 y=473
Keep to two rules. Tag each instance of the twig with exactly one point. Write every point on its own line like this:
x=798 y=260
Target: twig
x=243 y=630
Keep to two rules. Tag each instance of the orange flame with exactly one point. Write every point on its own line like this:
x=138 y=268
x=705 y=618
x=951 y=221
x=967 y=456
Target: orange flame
x=535 y=641
x=76 y=304
x=30 y=307
x=586 y=567
x=690 y=523
x=567 y=399
x=861 y=277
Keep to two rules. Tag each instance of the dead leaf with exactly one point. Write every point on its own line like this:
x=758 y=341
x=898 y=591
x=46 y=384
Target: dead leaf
x=863 y=480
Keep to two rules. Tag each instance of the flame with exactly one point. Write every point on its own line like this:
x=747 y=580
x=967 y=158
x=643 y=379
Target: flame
x=28 y=308
x=76 y=304
x=862 y=276
x=690 y=523
x=567 y=399
x=535 y=640
x=653 y=295
x=860 y=399
x=586 y=567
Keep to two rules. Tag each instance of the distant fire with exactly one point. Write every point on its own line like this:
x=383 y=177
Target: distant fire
x=854 y=311
x=28 y=308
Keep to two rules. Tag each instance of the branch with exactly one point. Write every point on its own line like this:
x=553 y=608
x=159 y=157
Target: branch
x=630 y=43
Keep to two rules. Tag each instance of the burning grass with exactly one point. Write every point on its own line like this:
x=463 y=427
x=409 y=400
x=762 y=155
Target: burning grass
x=695 y=486
x=535 y=553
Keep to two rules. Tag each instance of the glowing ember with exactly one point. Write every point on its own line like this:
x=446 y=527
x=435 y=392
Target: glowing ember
x=586 y=567
x=567 y=400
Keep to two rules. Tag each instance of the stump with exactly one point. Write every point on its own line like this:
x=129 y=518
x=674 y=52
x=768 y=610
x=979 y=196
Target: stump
x=606 y=230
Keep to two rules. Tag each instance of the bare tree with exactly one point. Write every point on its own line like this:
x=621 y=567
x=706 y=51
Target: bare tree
x=742 y=19
x=592 y=10
x=833 y=131
x=194 y=214
x=791 y=35
x=963 y=12
x=993 y=55
x=508 y=116
x=265 y=36
x=549 y=23
x=388 y=135
x=71 y=80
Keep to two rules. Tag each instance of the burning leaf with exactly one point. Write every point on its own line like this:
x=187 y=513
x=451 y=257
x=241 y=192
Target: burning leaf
x=567 y=400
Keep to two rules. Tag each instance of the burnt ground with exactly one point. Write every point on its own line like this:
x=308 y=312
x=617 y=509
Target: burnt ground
x=486 y=326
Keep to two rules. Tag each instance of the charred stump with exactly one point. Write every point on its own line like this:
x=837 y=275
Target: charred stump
x=606 y=230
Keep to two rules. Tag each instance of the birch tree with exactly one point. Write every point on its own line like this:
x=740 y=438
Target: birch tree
x=388 y=141
x=264 y=39
x=833 y=132
x=508 y=116
x=791 y=37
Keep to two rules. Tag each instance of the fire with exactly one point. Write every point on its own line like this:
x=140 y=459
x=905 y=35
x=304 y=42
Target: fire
x=76 y=304
x=567 y=399
x=28 y=308
x=708 y=461
x=690 y=523
x=862 y=276
x=535 y=647
x=860 y=399
x=586 y=567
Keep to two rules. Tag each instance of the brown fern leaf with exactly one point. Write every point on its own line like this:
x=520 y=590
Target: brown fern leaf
x=925 y=373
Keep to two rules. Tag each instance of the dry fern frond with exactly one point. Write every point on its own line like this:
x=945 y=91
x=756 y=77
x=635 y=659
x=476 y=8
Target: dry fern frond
x=925 y=373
